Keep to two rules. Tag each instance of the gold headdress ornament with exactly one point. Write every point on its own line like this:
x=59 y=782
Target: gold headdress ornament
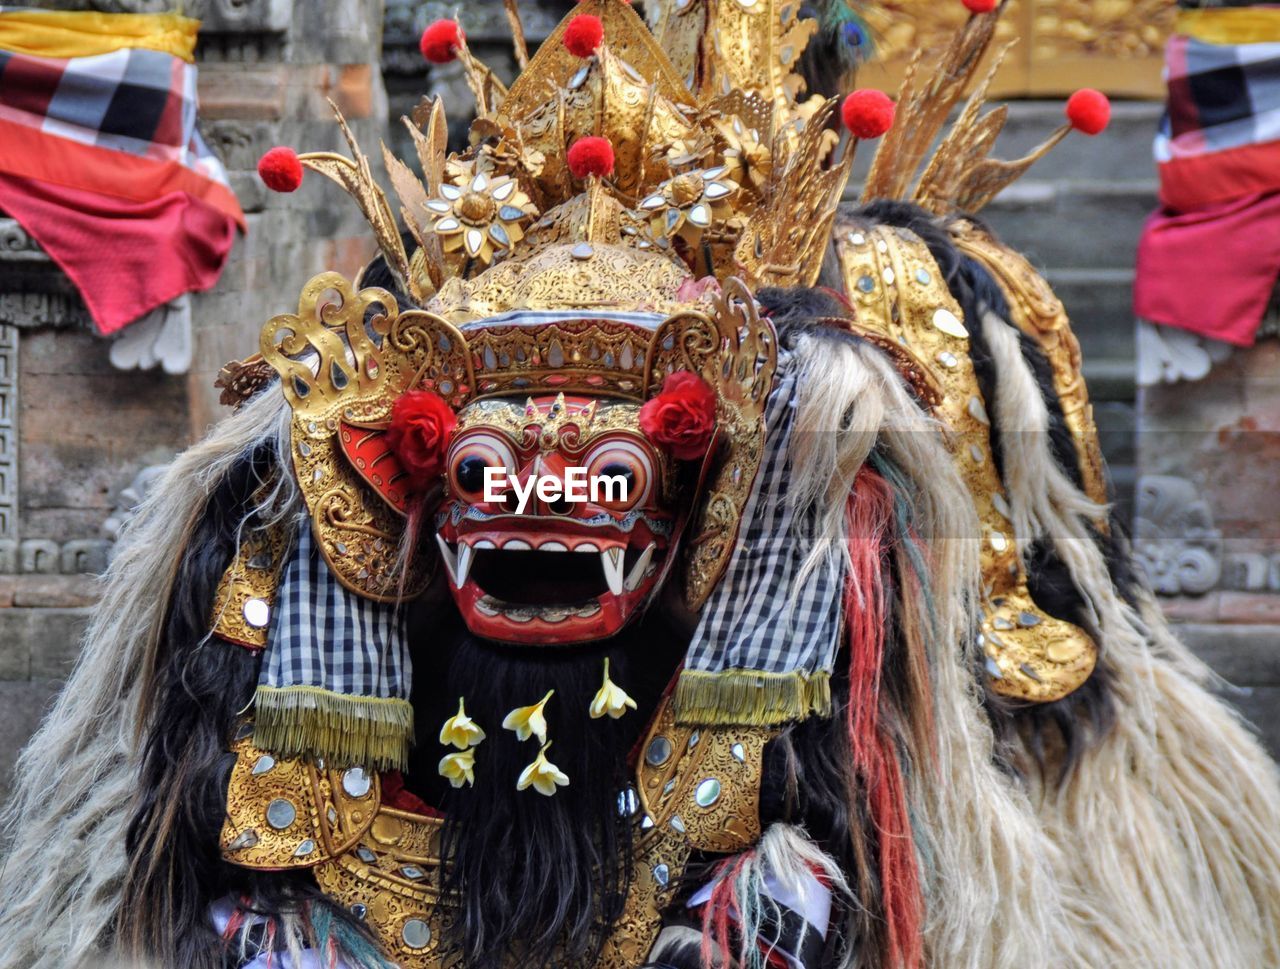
x=961 y=176
x=604 y=188
x=893 y=283
x=610 y=186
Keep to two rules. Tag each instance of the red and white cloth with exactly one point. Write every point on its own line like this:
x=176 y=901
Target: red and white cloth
x=101 y=162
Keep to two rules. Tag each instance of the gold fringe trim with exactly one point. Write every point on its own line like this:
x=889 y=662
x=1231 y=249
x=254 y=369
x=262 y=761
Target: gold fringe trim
x=305 y=721
x=750 y=698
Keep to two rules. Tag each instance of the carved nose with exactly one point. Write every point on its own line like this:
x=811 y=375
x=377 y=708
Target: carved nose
x=548 y=468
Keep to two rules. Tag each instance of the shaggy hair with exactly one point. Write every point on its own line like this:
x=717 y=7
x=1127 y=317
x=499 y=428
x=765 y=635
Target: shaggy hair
x=973 y=823
x=1157 y=861
x=75 y=783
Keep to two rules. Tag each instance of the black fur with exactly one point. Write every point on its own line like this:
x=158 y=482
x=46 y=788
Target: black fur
x=200 y=683
x=539 y=880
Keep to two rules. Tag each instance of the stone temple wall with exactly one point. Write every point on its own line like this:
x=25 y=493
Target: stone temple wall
x=76 y=435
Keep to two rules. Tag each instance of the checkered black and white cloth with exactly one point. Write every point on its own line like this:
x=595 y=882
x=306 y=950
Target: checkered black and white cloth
x=762 y=616
x=137 y=101
x=326 y=637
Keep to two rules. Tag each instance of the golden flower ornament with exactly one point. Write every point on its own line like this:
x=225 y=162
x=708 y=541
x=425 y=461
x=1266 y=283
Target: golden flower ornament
x=747 y=159
x=460 y=730
x=688 y=204
x=481 y=217
x=611 y=699
x=529 y=721
x=542 y=775
x=458 y=768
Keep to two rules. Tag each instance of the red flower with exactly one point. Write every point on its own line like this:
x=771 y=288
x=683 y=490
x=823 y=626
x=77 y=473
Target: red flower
x=421 y=423
x=981 y=6
x=682 y=418
x=280 y=169
x=441 y=41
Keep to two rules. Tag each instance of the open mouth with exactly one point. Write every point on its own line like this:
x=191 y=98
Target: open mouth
x=585 y=586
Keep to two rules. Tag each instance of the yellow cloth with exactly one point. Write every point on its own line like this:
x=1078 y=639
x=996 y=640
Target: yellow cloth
x=63 y=33
x=1231 y=25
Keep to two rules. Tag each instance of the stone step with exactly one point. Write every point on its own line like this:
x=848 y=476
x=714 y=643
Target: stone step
x=1098 y=302
x=1122 y=152
x=1074 y=225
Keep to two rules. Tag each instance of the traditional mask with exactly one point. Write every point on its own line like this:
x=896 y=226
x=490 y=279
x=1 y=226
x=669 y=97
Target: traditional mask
x=543 y=564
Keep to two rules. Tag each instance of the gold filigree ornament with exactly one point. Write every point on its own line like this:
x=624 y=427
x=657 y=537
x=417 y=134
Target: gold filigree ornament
x=736 y=352
x=482 y=217
x=332 y=370
x=694 y=789
x=898 y=290
x=687 y=205
x=245 y=599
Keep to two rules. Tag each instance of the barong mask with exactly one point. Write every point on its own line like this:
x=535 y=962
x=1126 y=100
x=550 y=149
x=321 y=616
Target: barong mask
x=580 y=534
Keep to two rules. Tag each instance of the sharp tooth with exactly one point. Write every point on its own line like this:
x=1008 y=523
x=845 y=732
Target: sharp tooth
x=637 y=571
x=450 y=560
x=611 y=559
x=465 y=555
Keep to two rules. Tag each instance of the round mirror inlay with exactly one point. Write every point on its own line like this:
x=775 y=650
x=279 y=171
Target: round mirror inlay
x=416 y=934
x=707 y=793
x=281 y=814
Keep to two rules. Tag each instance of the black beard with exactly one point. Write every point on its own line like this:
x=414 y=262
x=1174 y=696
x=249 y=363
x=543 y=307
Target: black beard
x=535 y=880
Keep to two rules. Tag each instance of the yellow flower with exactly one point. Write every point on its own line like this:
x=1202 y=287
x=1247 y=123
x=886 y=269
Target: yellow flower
x=529 y=721
x=459 y=768
x=542 y=775
x=460 y=730
x=610 y=698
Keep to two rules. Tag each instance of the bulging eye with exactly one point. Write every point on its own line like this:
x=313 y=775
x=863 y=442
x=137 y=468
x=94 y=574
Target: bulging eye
x=470 y=474
x=472 y=456
x=622 y=474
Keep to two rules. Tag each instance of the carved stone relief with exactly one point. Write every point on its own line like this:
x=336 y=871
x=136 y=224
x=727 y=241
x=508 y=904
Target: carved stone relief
x=8 y=431
x=1174 y=537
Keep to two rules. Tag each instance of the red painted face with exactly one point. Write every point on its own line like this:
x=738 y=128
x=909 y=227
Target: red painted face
x=555 y=571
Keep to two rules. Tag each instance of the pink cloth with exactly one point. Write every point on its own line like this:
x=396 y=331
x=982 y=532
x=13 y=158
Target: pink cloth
x=125 y=257
x=1210 y=271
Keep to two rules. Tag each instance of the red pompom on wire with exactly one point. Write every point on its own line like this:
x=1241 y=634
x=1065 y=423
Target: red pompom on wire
x=591 y=156
x=441 y=41
x=981 y=6
x=280 y=169
x=868 y=113
x=1089 y=111
x=583 y=34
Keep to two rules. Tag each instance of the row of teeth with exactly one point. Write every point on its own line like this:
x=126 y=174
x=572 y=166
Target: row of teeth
x=612 y=560
x=520 y=545
x=491 y=607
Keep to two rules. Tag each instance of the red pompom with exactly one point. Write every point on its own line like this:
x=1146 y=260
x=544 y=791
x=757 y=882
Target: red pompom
x=280 y=169
x=682 y=418
x=591 y=156
x=868 y=113
x=421 y=425
x=981 y=6
x=441 y=40
x=1089 y=111
x=583 y=34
